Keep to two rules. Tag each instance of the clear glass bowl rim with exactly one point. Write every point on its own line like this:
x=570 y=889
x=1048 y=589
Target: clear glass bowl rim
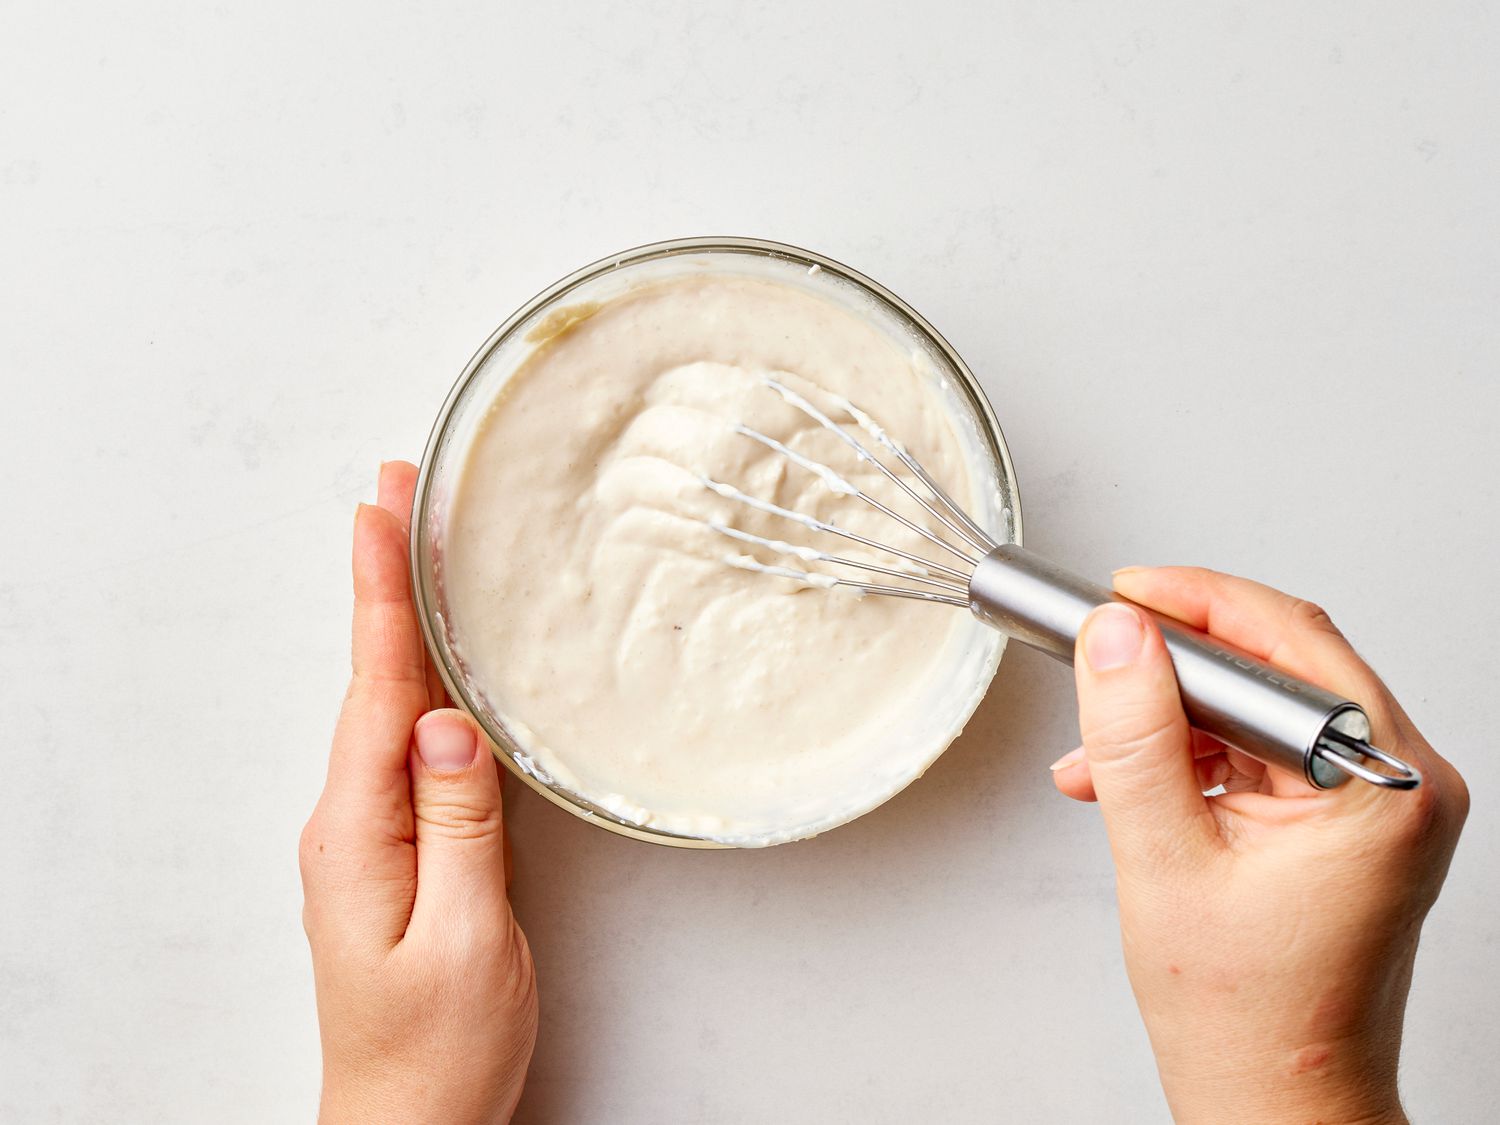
x=421 y=578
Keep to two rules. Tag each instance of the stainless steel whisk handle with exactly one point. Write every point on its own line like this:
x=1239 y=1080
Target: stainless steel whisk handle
x=1261 y=710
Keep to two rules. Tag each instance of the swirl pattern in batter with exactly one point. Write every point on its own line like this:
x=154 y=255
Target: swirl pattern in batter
x=588 y=595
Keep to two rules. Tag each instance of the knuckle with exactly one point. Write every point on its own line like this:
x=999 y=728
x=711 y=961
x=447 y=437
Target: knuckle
x=310 y=848
x=459 y=817
x=1306 y=615
x=1418 y=820
x=521 y=970
x=312 y=864
x=1448 y=797
x=1131 y=731
x=1460 y=789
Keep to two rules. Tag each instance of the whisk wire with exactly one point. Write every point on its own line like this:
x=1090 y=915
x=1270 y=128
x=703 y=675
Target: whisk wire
x=729 y=492
x=982 y=541
x=793 y=399
x=978 y=537
x=842 y=486
x=905 y=592
x=949 y=585
x=808 y=554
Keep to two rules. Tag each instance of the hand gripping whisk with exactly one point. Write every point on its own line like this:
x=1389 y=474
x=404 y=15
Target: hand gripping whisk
x=1226 y=692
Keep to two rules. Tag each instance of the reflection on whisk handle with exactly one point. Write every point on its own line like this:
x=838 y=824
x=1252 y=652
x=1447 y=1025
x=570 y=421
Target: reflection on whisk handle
x=1261 y=710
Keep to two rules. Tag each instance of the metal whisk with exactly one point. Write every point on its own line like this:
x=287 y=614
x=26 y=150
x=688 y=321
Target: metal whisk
x=1226 y=692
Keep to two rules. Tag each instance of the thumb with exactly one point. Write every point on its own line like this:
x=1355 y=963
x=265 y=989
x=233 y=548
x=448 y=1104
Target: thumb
x=1137 y=740
x=455 y=800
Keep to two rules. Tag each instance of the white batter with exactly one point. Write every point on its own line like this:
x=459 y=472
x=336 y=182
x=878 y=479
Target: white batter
x=600 y=619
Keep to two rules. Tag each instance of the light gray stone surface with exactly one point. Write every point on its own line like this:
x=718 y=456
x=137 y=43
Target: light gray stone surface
x=1229 y=275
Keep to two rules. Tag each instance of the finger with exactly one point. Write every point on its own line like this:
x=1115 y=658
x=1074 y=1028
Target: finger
x=362 y=876
x=1137 y=741
x=437 y=694
x=1298 y=636
x=455 y=794
x=1233 y=769
x=357 y=857
x=1287 y=631
x=1223 y=770
x=1070 y=774
x=1214 y=763
x=367 y=768
x=387 y=641
x=1212 y=771
x=1249 y=773
x=398 y=487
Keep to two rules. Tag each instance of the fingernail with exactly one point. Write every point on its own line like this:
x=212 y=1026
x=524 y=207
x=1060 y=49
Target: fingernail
x=445 y=743
x=1112 y=637
x=1068 y=759
x=1126 y=570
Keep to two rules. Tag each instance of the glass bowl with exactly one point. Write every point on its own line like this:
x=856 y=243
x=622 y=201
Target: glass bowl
x=508 y=348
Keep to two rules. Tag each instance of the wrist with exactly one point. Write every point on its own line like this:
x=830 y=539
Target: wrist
x=1269 y=1100
x=1315 y=1083
x=417 y=1097
x=1312 y=1113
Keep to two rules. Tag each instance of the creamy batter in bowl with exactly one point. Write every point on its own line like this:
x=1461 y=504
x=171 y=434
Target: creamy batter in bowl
x=625 y=656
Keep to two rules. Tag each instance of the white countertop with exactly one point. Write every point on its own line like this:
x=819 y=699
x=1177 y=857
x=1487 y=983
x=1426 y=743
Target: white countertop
x=1229 y=278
